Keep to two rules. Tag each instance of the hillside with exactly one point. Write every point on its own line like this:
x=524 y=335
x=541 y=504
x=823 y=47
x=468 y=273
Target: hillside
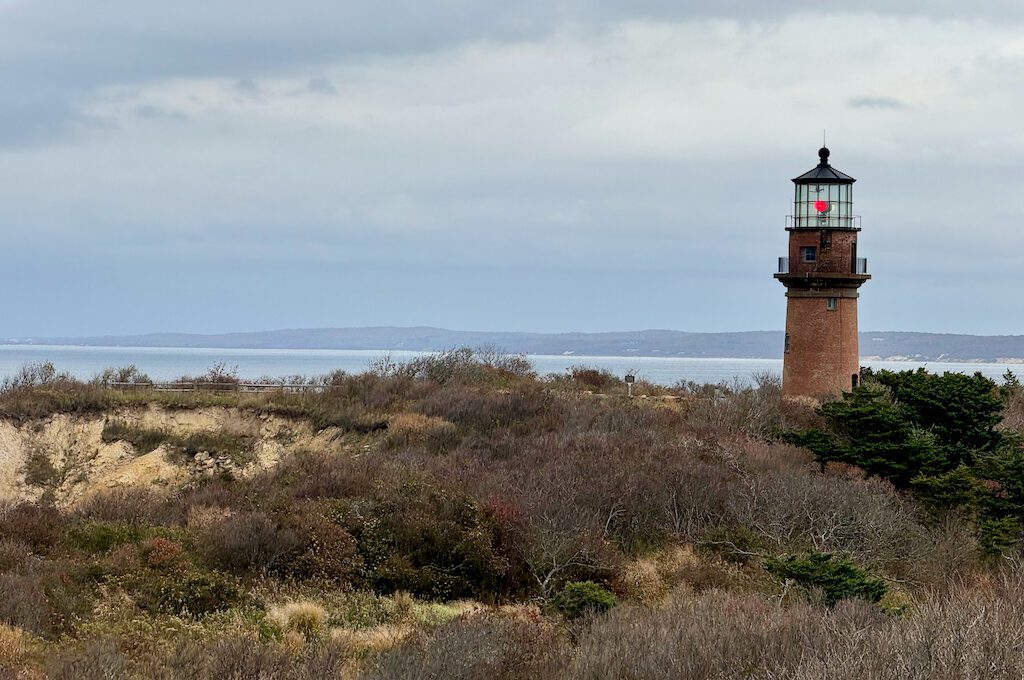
x=752 y=344
x=458 y=517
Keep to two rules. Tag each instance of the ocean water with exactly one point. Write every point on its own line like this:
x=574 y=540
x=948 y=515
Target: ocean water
x=169 y=363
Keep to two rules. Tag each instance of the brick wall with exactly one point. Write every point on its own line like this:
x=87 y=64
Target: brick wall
x=836 y=255
x=822 y=353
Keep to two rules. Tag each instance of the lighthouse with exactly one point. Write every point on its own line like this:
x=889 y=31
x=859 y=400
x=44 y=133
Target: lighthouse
x=822 y=275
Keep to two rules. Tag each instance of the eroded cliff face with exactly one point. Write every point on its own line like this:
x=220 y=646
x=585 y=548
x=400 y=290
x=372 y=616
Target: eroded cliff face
x=67 y=457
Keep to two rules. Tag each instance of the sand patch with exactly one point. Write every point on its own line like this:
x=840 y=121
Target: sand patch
x=12 y=460
x=84 y=464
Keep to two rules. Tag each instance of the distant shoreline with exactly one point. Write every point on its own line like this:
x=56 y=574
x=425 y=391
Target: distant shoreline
x=39 y=346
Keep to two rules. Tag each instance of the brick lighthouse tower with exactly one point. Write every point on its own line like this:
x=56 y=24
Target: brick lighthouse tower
x=822 y=275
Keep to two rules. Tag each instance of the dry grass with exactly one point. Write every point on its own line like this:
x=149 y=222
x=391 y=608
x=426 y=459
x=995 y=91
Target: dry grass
x=415 y=429
x=492 y=646
x=642 y=580
x=13 y=644
x=975 y=632
x=305 y=618
x=414 y=424
x=654 y=577
x=405 y=605
x=366 y=641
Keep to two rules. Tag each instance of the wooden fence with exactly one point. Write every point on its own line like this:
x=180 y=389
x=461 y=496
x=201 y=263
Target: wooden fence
x=179 y=386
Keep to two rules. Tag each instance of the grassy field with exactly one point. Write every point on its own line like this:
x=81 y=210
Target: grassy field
x=481 y=521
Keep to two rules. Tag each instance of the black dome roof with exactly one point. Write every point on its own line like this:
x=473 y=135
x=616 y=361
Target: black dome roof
x=824 y=173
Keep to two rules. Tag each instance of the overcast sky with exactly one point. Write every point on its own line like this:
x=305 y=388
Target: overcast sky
x=540 y=165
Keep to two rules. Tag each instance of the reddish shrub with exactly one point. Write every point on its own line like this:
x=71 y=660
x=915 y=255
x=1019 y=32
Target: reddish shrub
x=161 y=554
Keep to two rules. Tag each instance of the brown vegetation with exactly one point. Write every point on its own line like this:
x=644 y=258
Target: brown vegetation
x=470 y=494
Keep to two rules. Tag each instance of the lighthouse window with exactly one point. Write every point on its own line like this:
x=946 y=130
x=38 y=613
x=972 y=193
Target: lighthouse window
x=831 y=304
x=809 y=253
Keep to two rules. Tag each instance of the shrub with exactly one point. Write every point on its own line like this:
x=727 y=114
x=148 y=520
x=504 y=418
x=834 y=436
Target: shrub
x=714 y=635
x=487 y=366
x=218 y=374
x=13 y=553
x=996 y=535
x=23 y=604
x=528 y=409
x=414 y=429
x=435 y=542
x=578 y=598
x=245 y=542
x=797 y=512
x=968 y=631
x=757 y=410
x=99 y=537
x=324 y=410
x=309 y=474
x=130 y=505
x=869 y=430
x=161 y=554
x=142 y=439
x=34 y=524
x=243 y=658
x=124 y=374
x=43 y=598
x=324 y=549
x=38 y=391
x=940 y=494
x=837 y=577
x=486 y=646
x=34 y=375
x=962 y=411
x=594 y=378
x=193 y=595
x=95 y=660
x=39 y=470
x=236 y=446
x=901 y=425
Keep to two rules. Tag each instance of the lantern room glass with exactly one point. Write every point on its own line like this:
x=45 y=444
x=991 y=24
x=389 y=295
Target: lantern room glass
x=838 y=204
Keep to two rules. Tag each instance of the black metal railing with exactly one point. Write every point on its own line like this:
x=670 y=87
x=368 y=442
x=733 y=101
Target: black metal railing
x=815 y=222
x=859 y=266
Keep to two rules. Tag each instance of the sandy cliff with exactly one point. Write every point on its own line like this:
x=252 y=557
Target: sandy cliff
x=78 y=462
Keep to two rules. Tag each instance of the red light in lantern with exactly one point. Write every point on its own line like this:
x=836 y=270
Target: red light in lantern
x=821 y=206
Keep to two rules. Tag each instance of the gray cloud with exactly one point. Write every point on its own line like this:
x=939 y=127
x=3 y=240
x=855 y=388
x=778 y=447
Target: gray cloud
x=321 y=86
x=630 y=160
x=68 y=50
x=874 y=102
x=151 y=112
x=247 y=88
